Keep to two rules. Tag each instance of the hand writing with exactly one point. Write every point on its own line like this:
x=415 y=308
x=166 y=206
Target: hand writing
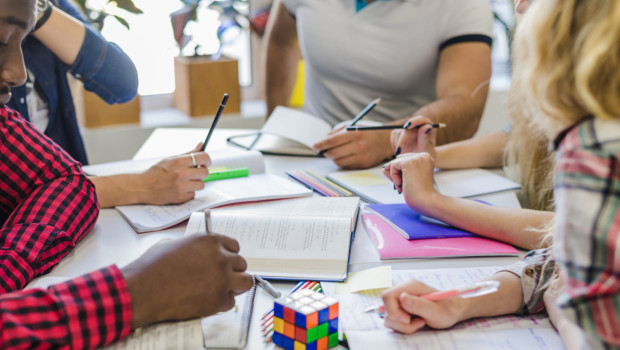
x=186 y=278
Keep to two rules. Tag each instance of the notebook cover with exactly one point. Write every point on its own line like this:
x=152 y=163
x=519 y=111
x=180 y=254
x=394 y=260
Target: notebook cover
x=407 y=223
x=391 y=245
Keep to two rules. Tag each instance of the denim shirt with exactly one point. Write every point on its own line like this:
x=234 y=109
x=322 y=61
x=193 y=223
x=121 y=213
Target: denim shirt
x=103 y=68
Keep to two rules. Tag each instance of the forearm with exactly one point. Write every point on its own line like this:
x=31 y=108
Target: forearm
x=485 y=151
x=520 y=227
x=507 y=300
x=281 y=57
x=63 y=35
x=114 y=190
x=460 y=112
x=281 y=67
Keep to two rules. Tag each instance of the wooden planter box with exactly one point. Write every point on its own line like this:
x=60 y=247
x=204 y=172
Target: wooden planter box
x=200 y=84
x=94 y=112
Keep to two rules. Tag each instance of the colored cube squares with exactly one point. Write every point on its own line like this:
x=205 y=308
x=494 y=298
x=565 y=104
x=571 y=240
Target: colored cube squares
x=305 y=320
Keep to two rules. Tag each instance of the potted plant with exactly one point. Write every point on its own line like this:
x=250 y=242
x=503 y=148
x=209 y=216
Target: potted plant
x=203 y=75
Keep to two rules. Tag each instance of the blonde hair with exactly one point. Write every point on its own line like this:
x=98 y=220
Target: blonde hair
x=567 y=55
x=567 y=66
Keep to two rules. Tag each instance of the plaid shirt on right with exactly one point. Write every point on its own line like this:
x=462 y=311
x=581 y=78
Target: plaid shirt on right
x=586 y=245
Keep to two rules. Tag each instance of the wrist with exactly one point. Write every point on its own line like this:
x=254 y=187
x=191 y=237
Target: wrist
x=427 y=202
x=44 y=10
x=387 y=150
x=140 y=310
x=117 y=190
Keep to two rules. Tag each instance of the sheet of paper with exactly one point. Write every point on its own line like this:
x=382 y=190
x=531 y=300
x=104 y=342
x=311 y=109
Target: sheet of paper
x=229 y=329
x=375 y=278
x=503 y=339
x=164 y=336
x=268 y=236
x=312 y=207
x=256 y=187
x=471 y=182
x=366 y=330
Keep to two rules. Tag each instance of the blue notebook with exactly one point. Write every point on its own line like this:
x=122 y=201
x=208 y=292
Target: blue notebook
x=412 y=225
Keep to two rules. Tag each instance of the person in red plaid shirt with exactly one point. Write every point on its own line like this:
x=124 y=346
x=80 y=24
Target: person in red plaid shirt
x=47 y=205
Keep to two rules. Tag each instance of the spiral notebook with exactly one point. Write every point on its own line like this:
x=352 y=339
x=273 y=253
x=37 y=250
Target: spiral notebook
x=229 y=330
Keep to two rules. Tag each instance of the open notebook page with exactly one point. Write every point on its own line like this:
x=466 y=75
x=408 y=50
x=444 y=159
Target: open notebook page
x=366 y=330
x=144 y=218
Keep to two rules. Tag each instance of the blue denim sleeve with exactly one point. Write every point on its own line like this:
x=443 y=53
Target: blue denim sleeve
x=105 y=69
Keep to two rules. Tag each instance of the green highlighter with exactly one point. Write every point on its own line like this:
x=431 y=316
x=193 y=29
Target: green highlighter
x=227 y=174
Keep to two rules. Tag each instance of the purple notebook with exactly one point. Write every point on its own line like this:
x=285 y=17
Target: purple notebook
x=409 y=224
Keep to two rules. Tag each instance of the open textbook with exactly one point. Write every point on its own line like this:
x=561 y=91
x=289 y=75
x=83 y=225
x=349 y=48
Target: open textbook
x=366 y=330
x=286 y=132
x=373 y=187
x=258 y=186
x=302 y=238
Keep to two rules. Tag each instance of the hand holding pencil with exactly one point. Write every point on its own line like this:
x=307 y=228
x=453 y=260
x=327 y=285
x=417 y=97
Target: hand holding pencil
x=413 y=305
x=417 y=135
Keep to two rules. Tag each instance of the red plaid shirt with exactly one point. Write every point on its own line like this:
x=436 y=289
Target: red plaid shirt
x=46 y=206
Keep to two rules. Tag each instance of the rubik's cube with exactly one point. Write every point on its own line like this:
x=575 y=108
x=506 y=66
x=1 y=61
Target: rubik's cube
x=305 y=320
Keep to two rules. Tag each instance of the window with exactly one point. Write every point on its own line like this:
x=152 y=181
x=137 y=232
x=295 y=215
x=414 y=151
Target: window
x=151 y=45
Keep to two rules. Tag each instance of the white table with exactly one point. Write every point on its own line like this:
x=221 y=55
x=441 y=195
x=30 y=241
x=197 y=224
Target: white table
x=113 y=241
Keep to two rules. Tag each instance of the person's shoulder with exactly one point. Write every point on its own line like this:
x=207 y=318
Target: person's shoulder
x=10 y=116
x=596 y=134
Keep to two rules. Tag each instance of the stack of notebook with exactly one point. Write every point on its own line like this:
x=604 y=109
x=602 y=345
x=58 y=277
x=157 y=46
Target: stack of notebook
x=399 y=232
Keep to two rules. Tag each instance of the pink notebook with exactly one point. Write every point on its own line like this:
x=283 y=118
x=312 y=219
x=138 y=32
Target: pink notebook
x=391 y=245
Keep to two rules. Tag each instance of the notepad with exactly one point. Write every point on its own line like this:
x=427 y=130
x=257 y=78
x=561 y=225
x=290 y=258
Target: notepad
x=391 y=245
x=257 y=187
x=230 y=329
x=369 y=184
x=297 y=239
x=373 y=187
x=287 y=132
x=411 y=225
x=367 y=330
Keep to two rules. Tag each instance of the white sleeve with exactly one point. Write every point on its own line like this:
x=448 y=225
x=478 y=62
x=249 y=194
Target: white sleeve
x=291 y=6
x=467 y=21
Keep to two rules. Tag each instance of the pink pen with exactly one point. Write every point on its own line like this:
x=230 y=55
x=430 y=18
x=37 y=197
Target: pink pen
x=474 y=290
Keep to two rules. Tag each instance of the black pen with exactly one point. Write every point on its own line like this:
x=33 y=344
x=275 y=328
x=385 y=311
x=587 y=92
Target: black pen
x=215 y=120
x=365 y=111
x=392 y=127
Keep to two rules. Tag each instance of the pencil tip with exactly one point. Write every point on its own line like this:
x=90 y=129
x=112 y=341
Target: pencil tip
x=377 y=100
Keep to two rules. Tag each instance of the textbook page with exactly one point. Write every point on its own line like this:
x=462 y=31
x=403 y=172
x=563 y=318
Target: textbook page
x=145 y=218
x=366 y=330
x=309 y=237
x=164 y=336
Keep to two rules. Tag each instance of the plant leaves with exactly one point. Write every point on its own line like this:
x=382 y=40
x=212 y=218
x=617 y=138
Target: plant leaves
x=122 y=21
x=127 y=5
